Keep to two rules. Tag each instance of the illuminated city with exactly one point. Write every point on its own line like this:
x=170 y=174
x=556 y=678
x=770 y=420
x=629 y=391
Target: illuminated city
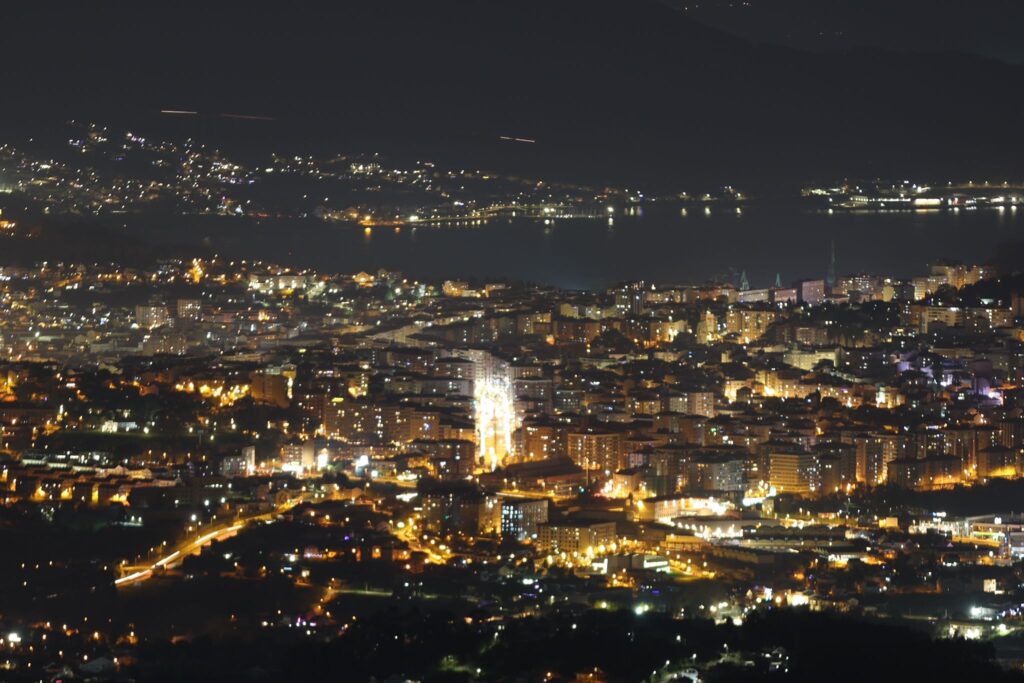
x=595 y=342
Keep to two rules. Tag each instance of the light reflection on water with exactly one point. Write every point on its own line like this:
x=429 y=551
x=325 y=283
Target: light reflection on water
x=662 y=243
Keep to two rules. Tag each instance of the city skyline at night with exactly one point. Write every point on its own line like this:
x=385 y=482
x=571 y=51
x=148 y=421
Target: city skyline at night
x=593 y=341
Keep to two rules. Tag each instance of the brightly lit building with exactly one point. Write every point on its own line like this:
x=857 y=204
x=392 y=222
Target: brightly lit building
x=494 y=406
x=495 y=420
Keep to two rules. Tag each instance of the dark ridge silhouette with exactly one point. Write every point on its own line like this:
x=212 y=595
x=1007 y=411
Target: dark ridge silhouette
x=625 y=91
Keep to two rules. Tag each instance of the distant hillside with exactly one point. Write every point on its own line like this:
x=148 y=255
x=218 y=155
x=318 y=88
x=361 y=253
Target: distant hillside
x=627 y=91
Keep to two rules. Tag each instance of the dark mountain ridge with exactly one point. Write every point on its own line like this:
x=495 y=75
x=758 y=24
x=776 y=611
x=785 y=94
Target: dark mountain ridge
x=626 y=91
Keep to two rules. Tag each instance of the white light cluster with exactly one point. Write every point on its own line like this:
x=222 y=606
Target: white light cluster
x=495 y=420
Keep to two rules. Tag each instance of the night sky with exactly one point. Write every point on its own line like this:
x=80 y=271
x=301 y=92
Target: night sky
x=631 y=91
x=988 y=28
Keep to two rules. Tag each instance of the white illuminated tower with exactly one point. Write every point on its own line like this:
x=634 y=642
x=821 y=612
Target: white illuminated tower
x=495 y=419
x=494 y=406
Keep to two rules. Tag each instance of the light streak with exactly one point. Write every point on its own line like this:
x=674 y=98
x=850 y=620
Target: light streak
x=168 y=559
x=249 y=117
